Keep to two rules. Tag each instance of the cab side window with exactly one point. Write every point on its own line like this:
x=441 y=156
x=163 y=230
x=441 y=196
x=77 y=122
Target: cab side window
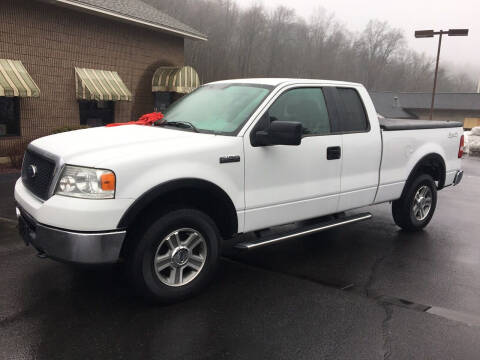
x=304 y=105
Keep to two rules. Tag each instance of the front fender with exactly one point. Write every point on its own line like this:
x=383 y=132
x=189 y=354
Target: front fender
x=212 y=192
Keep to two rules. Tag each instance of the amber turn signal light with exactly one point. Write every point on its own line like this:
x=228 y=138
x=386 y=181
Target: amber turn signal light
x=108 y=182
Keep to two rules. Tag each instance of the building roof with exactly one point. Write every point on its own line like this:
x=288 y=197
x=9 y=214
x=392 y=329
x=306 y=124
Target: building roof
x=135 y=11
x=443 y=101
x=396 y=104
x=388 y=105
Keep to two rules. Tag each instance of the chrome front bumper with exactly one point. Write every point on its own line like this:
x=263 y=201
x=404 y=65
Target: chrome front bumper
x=458 y=177
x=77 y=247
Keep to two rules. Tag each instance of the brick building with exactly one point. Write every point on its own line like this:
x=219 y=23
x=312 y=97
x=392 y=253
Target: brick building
x=72 y=62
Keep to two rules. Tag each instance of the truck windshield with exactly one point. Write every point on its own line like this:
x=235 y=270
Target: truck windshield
x=218 y=108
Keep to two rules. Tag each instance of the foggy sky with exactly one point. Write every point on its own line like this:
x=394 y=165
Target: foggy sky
x=462 y=53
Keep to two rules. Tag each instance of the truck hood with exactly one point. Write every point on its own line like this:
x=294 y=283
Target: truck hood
x=89 y=147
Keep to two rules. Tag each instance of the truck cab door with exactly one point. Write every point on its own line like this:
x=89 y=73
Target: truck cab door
x=285 y=183
x=362 y=147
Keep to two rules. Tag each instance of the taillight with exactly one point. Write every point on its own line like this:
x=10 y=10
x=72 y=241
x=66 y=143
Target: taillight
x=460 y=148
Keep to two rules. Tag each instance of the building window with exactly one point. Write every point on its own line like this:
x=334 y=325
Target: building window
x=96 y=113
x=164 y=99
x=9 y=116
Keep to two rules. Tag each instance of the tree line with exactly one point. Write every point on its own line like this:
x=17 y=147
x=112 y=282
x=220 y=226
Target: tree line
x=260 y=42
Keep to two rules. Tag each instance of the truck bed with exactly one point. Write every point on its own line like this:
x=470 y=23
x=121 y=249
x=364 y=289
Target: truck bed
x=407 y=124
x=402 y=150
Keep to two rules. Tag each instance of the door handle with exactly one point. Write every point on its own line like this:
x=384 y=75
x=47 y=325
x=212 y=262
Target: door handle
x=334 y=152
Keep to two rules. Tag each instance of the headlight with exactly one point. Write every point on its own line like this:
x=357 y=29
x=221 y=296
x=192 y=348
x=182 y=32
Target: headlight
x=86 y=183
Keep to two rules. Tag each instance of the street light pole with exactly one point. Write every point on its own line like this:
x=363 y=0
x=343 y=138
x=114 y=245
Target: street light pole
x=431 y=33
x=436 y=74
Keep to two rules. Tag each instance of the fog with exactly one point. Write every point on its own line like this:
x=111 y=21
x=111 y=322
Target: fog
x=372 y=43
x=462 y=53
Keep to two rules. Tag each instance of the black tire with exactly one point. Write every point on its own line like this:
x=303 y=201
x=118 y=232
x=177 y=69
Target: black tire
x=403 y=208
x=140 y=263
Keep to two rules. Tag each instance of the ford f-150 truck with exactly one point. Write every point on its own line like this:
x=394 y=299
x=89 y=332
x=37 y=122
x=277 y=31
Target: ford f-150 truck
x=233 y=157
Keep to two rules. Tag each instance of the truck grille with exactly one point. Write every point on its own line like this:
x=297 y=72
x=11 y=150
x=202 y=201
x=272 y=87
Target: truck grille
x=37 y=173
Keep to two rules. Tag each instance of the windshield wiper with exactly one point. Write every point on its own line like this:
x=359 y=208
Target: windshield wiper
x=180 y=124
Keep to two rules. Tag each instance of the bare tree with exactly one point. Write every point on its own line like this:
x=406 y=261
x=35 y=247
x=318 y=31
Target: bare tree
x=278 y=35
x=253 y=42
x=376 y=46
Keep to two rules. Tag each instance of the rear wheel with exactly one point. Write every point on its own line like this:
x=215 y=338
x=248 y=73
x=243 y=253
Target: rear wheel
x=176 y=256
x=414 y=210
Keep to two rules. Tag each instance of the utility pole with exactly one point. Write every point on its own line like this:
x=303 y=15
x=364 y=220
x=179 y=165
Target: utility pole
x=432 y=33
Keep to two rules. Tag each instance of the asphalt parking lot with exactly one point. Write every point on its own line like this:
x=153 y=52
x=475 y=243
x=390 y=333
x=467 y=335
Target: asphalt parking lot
x=366 y=291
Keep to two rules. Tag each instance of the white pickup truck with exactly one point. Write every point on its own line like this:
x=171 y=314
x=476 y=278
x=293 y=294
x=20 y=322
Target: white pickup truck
x=233 y=157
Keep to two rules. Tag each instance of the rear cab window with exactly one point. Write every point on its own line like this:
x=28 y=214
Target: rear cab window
x=353 y=117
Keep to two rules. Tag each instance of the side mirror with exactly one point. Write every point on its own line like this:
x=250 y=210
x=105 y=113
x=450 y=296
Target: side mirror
x=279 y=133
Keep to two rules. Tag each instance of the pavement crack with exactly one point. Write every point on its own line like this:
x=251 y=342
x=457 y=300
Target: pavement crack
x=373 y=273
x=387 y=347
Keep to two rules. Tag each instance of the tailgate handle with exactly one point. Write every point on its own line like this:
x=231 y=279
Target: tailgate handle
x=334 y=152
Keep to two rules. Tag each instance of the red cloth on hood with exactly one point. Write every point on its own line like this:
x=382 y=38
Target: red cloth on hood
x=147 y=119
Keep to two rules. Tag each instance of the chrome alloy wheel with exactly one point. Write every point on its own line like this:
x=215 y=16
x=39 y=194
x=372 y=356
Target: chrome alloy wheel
x=180 y=257
x=422 y=203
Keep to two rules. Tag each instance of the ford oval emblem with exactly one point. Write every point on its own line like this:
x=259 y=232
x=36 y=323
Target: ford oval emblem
x=31 y=171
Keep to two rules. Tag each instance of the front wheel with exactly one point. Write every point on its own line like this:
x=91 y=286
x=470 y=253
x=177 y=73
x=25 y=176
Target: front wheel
x=176 y=256
x=414 y=210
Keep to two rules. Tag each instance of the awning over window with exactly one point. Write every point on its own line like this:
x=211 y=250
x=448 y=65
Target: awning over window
x=15 y=80
x=100 y=85
x=181 y=80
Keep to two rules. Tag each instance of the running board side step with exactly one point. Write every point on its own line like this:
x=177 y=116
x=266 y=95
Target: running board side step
x=269 y=240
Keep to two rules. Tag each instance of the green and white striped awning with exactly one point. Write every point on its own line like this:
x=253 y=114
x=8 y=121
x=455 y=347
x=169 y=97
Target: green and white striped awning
x=15 y=80
x=100 y=85
x=181 y=80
